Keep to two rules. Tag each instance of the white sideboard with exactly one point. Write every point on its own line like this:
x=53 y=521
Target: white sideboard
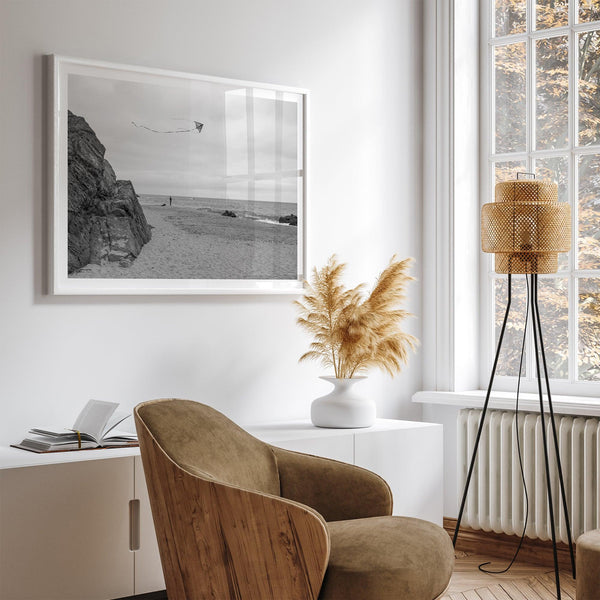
x=65 y=526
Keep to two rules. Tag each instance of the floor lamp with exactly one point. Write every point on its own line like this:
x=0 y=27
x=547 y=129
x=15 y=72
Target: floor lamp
x=526 y=227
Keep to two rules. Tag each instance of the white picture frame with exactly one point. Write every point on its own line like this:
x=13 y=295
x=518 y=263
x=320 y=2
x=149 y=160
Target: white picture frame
x=271 y=254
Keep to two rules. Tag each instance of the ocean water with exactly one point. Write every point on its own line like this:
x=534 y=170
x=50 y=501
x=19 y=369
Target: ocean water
x=267 y=211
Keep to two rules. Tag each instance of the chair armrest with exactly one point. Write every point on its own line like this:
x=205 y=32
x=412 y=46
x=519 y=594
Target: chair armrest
x=218 y=540
x=335 y=489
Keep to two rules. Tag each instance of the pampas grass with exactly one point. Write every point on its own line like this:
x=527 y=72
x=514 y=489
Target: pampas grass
x=353 y=332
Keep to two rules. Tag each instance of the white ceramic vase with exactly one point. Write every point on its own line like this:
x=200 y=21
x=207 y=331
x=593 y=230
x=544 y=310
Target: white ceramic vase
x=343 y=408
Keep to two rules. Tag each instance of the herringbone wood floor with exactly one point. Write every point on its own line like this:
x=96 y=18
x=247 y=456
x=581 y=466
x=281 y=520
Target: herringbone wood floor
x=523 y=582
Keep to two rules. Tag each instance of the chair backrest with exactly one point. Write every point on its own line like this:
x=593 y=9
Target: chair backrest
x=205 y=442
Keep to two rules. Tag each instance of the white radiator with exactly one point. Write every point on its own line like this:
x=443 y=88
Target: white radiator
x=496 y=501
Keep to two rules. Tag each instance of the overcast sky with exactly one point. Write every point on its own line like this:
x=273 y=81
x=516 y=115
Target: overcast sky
x=206 y=164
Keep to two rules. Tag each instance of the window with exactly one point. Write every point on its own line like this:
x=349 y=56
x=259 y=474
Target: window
x=542 y=99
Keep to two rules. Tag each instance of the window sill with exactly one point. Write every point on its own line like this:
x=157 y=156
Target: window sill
x=566 y=405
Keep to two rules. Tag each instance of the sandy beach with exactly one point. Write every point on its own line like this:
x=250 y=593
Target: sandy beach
x=197 y=243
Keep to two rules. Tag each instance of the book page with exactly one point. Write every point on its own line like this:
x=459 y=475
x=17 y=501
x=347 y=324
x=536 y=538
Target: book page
x=94 y=417
x=52 y=431
x=117 y=418
x=119 y=438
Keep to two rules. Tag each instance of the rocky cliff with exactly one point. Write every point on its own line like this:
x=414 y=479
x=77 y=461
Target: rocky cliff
x=106 y=221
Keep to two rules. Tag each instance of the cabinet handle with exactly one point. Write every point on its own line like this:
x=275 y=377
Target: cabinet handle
x=134 y=525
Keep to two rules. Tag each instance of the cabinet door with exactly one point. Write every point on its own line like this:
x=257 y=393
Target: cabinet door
x=64 y=531
x=148 y=569
x=339 y=447
x=411 y=461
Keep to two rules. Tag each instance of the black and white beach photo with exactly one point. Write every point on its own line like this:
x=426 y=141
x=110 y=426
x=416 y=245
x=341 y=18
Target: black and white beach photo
x=182 y=179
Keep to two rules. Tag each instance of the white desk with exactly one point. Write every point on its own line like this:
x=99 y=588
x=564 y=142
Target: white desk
x=64 y=517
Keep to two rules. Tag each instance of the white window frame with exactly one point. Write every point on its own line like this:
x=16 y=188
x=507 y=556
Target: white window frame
x=458 y=334
x=451 y=340
x=504 y=383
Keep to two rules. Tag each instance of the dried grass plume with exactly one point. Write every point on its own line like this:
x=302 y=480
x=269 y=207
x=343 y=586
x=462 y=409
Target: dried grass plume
x=353 y=333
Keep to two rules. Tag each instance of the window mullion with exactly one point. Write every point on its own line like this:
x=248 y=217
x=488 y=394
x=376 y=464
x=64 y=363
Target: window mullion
x=530 y=17
x=548 y=153
x=574 y=287
x=531 y=136
x=573 y=179
x=490 y=148
x=573 y=332
x=531 y=81
x=540 y=34
x=582 y=150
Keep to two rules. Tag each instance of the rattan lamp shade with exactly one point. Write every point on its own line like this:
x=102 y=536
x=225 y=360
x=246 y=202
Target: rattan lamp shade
x=526 y=227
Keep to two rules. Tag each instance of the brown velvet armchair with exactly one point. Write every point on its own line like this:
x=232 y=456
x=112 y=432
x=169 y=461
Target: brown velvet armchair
x=238 y=519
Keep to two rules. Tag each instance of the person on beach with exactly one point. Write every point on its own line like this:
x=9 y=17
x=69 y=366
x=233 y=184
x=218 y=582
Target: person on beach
x=170 y=200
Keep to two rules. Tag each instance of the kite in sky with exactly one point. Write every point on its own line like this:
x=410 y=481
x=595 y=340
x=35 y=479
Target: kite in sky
x=197 y=127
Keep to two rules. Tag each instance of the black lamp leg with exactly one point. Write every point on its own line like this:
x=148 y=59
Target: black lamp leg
x=483 y=413
x=538 y=324
x=544 y=436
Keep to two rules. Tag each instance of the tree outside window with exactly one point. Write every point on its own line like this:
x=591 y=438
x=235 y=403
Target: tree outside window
x=544 y=73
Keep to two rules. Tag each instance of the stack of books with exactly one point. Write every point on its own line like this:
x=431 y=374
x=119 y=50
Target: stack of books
x=95 y=427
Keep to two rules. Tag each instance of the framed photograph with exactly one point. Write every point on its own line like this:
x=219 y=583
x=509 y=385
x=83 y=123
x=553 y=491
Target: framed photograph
x=174 y=183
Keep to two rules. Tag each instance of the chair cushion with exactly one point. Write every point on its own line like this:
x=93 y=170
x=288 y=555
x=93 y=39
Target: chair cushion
x=387 y=558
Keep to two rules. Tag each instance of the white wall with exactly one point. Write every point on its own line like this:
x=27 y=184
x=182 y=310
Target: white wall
x=362 y=63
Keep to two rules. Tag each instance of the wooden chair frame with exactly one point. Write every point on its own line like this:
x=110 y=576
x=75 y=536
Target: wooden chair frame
x=282 y=554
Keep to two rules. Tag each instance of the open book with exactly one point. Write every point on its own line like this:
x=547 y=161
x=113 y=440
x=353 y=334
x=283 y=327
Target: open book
x=95 y=427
